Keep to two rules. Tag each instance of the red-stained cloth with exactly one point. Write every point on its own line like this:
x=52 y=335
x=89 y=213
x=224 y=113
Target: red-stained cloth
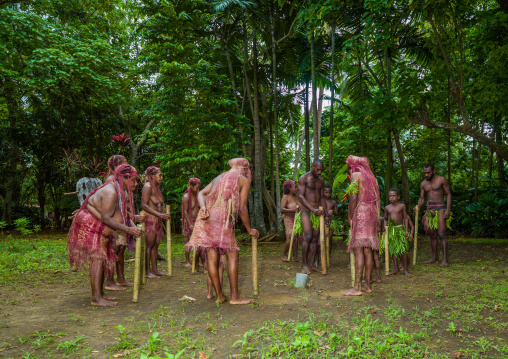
x=289 y=223
x=153 y=225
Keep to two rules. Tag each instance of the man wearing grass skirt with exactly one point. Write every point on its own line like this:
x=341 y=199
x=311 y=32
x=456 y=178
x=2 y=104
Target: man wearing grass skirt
x=438 y=211
x=311 y=194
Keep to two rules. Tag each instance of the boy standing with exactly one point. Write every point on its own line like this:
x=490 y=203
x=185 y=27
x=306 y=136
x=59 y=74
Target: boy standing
x=397 y=220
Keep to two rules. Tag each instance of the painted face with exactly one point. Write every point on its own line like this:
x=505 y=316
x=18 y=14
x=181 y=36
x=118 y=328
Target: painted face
x=195 y=188
x=316 y=169
x=393 y=196
x=429 y=173
x=328 y=192
x=157 y=177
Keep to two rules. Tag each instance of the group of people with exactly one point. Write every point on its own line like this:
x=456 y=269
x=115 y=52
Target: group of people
x=105 y=223
x=364 y=219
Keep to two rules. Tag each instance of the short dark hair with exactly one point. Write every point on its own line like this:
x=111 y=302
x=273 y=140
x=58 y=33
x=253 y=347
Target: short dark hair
x=285 y=190
x=431 y=165
x=328 y=186
x=394 y=190
x=318 y=161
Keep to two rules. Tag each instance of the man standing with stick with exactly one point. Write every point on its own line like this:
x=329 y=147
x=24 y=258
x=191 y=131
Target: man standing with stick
x=221 y=202
x=434 y=219
x=311 y=195
x=364 y=206
x=190 y=209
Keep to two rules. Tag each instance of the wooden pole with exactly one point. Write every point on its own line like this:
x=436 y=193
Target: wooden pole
x=194 y=251
x=352 y=264
x=137 y=268
x=387 y=254
x=327 y=239
x=322 y=241
x=416 y=234
x=143 y=250
x=255 y=266
x=292 y=239
x=168 y=234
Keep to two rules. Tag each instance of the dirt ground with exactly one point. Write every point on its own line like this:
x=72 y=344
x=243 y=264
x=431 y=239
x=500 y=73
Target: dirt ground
x=63 y=306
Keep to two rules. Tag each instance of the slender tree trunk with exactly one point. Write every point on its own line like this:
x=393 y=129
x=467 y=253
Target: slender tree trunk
x=449 y=138
x=272 y=177
x=499 y=140
x=403 y=169
x=41 y=197
x=245 y=61
x=298 y=154
x=258 y=174
x=307 y=120
x=473 y=154
x=13 y=159
x=320 y=112
x=478 y=160
x=389 y=165
x=332 y=87
x=315 y=124
x=276 y=122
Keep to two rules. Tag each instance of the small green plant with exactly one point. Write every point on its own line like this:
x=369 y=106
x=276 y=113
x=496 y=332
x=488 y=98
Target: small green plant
x=71 y=345
x=21 y=225
x=452 y=328
x=168 y=355
x=2 y=227
x=125 y=341
x=153 y=343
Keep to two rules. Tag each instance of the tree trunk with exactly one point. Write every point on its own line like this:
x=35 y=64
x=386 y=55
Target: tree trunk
x=449 y=138
x=41 y=197
x=332 y=87
x=315 y=123
x=307 y=139
x=272 y=178
x=499 y=142
x=13 y=159
x=276 y=122
x=403 y=169
x=473 y=154
x=258 y=174
x=298 y=155
x=389 y=166
x=320 y=112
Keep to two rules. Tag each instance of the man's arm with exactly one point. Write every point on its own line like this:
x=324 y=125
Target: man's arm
x=203 y=211
x=108 y=209
x=185 y=208
x=406 y=222
x=146 y=194
x=421 y=201
x=244 y=211
x=448 y=194
x=323 y=199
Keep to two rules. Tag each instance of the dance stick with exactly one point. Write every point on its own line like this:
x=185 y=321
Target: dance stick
x=416 y=235
x=255 y=266
x=168 y=233
x=387 y=255
x=327 y=239
x=292 y=236
x=143 y=249
x=194 y=260
x=352 y=260
x=137 y=267
x=322 y=240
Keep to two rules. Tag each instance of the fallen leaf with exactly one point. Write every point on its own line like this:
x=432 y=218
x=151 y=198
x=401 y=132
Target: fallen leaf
x=457 y=355
x=495 y=307
x=319 y=333
x=324 y=347
x=188 y=299
x=483 y=268
x=374 y=311
x=202 y=355
x=57 y=271
x=331 y=281
x=237 y=356
x=461 y=264
x=117 y=355
x=429 y=300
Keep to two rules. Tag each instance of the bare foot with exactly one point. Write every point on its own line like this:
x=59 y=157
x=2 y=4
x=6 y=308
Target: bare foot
x=444 y=264
x=188 y=265
x=114 y=287
x=366 y=289
x=210 y=296
x=151 y=276
x=221 y=300
x=305 y=270
x=102 y=302
x=124 y=283
x=240 y=301
x=160 y=274
x=376 y=280
x=316 y=269
x=295 y=260
x=432 y=260
x=285 y=258
x=352 y=293
x=406 y=273
x=394 y=272
x=108 y=297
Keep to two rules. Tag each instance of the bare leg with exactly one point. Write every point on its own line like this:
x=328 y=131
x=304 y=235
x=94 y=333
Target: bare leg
x=187 y=255
x=233 y=279
x=330 y=240
x=359 y=262
x=433 y=246
x=213 y=274
x=286 y=248
x=314 y=247
x=120 y=267
x=295 y=251
x=209 y=281
x=307 y=239
x=441 y=232
x=378 y=266
x=110 y=281
x=396 y=269
x=150 y=243
x=367 y=254
x=405 y=262
x=155 y=251
x=96 y=281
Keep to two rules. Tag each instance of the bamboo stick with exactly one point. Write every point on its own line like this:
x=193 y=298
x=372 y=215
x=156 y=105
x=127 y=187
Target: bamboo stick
x=255 y=266
x=143 y=250
x=387 y=254
x=416 y=235
x=327 y=240
x=352 y=263
x=168 y=233
x=322 y=241
x=291 y=242
x=137 y=268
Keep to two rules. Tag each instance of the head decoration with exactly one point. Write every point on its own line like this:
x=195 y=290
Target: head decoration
x=241 y=165
x=370 y=190
x=288 y=184
x=149 y=173
x=113 y=162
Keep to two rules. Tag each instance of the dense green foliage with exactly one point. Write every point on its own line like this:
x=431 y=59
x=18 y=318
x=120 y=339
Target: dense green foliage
x=195 y=83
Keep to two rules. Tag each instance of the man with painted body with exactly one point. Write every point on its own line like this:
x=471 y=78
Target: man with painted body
x=311 y=196
x=435 y=188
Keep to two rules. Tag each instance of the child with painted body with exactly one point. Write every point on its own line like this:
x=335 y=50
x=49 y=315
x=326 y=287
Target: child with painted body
x=397 y=212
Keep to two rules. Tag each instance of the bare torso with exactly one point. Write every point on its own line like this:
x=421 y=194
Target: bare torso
x=434 y=189
x=313 y=188
x=331 y=205
x=290 y=201
x=99 y=199
x=395 y=212
x=153 y=202
x=194 y=203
